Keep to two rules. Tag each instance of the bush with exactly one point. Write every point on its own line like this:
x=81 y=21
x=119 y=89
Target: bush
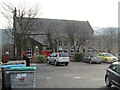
x=42 y=59
x=79 y=56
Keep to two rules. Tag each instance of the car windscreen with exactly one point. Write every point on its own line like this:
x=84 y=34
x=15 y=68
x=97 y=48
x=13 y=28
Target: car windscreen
x=63 y=55
x=108 y=55
x=93 y=56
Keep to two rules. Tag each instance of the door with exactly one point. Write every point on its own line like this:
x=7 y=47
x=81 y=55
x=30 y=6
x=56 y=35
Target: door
x=114 y=75
x=118 y=75
x=51 y=57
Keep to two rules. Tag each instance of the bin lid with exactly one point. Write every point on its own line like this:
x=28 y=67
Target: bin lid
x=10 y=66
x=22 y=69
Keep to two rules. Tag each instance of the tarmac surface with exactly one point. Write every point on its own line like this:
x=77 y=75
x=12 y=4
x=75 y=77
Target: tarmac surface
x=75 y=75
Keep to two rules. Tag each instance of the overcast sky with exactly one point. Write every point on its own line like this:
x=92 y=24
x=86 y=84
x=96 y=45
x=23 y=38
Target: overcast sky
x=99 y=13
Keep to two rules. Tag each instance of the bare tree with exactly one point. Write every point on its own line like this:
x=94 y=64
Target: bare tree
x=110 y=37
x=21 y=23
x=50 y=30
x=83 y=36
x=71 y=32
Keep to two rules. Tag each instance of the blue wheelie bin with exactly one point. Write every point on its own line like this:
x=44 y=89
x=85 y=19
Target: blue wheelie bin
x=6 y=84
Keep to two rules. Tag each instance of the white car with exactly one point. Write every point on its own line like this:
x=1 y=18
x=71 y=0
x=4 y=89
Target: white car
x=58 y=58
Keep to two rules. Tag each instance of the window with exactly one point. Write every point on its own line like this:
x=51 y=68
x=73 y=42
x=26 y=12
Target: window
x=118 y=69
x=60 y=42
x=108 y=55
x=51 y=55
x=115 y=68
x=29 y=52
x=65 y=50
x=63 y=55
x=102 y=55
x=99 y=54
x=65 y=43
x=55 y=55
x=77 y=44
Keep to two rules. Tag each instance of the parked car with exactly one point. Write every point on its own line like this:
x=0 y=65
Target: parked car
x=107 y=57
x=112 y=76
x=92 y=59
x=58 y=58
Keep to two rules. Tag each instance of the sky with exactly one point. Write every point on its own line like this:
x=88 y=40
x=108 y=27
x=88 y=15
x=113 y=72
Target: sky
x=99 y=13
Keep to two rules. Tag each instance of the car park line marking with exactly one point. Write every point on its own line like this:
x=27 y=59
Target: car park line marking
x=40 y=78
x=78 y=77
x=46 y=85
x=48 y=78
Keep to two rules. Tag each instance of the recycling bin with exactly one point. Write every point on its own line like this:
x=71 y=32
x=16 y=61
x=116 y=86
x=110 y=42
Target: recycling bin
x=22 y=78
x=6 y=84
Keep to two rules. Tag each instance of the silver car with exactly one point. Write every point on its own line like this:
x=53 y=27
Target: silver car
x=58 y=58
x=92 y=59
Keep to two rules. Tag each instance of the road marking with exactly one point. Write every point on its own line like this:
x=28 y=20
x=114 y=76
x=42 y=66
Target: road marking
x=48 y=78
x=40 y=78
x=78 y=77
x=46 y=85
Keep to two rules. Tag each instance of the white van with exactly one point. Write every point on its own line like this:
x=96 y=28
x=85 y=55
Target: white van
x=58 y=58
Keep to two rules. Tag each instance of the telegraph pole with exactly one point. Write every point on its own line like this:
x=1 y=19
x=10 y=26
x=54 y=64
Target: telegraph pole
x=14 y=30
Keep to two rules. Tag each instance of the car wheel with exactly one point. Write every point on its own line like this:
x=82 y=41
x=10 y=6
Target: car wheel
x=48 y=62
x=106 y=61
x=55 y=63
x=108 y=84
x=66 y=63
x=91 y=62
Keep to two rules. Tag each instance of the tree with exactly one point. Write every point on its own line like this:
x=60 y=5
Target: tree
x=110 y=38
x=83 y=36
x=71 y=30
x=51 y=31
x=20 y=24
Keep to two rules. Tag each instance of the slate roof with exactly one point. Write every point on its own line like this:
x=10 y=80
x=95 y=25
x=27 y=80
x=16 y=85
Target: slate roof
x=41 y=24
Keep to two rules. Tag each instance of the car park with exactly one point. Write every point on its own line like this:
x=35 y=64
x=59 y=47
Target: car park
x=107 y=57
x=92 y=59
x=58 y=58
x=112 y=76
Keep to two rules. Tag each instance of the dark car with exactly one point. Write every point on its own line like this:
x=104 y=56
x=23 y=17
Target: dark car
x=112 y=76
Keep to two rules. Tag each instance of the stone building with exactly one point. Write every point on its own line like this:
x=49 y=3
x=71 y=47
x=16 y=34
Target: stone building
x=61 y=31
